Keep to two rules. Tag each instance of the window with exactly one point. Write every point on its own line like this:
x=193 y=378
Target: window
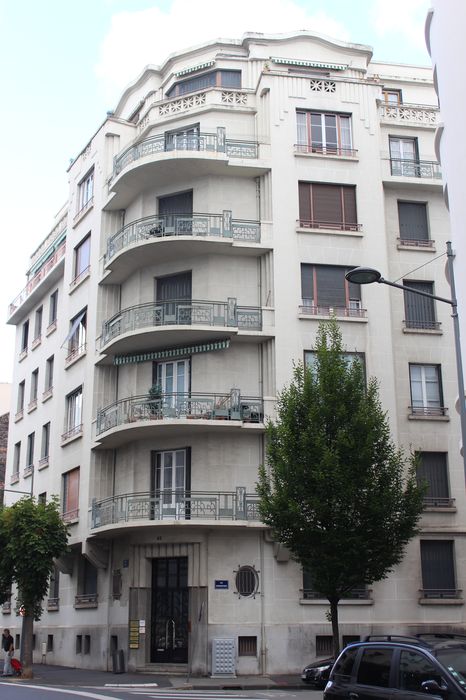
x=87 y=585
x=412 y=217
x=344 y=666
x=438 y=569
x=77 y=336
x=50 y=642
x=73 y=421
x=426 y=390
x=219 y=78
x=45 y=446
x=374 y=667
x=319 y=132
x=89 y=580
x=16 y=458
x=34 y=385
x=30 y=450
x=415 y=668
x=71 y=495
x=324 y=645
x=49 y=365
x=392 y=97
x=175 y=212
x=42 y=498
x=187 y=139
x=24 y=336
x=433 y=471
x=419 y=310
x=349 y=357
x=21 y=392
x=247 y=581
x=53 y=308
x=327 y=206
x=79 y=644
x=82 y=258
x=325 y=290
x=172 y=477
x=247 y=646
x=38 y=323
x=404 y=158
x=86 y=191
x=87 y=644
x=310 y=592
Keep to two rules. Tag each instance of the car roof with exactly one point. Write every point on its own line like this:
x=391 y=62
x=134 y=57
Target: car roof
x=428 y=641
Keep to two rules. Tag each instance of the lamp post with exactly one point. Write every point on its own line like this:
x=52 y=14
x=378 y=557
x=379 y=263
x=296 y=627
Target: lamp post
x=367 y=275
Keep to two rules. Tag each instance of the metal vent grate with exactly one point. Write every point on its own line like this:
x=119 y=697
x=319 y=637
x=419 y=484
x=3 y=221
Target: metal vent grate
x=223 y=657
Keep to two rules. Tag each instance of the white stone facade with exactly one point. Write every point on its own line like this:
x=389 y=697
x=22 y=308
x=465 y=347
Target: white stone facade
x=168 y=480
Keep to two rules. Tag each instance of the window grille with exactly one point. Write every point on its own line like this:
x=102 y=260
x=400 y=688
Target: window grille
x=247 y=581
x=247 y=646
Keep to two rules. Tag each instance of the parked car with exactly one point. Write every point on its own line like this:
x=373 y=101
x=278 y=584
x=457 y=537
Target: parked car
x=406 y=668
x=317 y=673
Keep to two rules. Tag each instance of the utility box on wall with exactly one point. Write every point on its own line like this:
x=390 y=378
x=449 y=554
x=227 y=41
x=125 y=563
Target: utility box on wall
x=223 y=658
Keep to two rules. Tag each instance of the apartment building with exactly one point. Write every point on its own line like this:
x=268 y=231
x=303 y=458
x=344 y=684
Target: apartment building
x=210 y=223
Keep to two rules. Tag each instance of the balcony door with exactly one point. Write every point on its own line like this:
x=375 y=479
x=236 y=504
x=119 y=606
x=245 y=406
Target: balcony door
x=173 y=380
x=176 y=212
x=403 y=155
x=171 y=292
x=170 y=479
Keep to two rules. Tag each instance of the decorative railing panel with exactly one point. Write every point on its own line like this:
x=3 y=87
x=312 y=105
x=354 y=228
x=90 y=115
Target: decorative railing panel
x=176 y=505
x=204 y=225
x=438 y=502
x=416 y=243
x=440 y=592
x=428 y=410
x=231 y=407
x=183 y=313
x=415 y=168
x=426 y=115
x=329 y=225
x=338 y=311
x=325 y=150
x=38 y=277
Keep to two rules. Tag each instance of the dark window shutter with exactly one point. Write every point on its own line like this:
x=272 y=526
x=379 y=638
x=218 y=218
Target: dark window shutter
x=176 y=203
x=305 y=201
x=438 y=573
x=307 y=281
x=349 y=202
x=90 y=578
x=419 y=311
x=331 y=289
x=432 y=469
x=327 y=203
x=174 y=287
x=412 y=217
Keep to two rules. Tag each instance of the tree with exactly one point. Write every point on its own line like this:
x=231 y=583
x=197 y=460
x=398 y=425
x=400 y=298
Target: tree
x=32 y=535
x=336 y=491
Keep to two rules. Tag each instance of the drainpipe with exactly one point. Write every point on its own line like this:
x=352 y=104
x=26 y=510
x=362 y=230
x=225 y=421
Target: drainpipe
x=263 y=652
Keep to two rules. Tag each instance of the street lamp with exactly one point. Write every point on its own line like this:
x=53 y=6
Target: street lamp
x=367 y=275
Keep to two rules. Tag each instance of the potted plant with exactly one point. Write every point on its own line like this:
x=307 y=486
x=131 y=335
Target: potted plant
x=155 y=400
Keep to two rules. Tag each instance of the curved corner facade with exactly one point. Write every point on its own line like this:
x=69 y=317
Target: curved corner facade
x=209 y=225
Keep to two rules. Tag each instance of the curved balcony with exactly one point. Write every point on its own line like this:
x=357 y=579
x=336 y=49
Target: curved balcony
x=171 y=235
x=163 y=507
x=167 y=156
x=157 y=324
x=136 y=417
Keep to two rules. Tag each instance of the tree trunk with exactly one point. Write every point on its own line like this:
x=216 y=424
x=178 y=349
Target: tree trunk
x=335 y=629
x=26 y=645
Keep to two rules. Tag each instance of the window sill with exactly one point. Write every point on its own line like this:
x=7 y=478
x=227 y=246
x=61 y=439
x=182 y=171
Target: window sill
x=43 y=463
x=423 y=331
x=32 y=406
x=78 y=281
x=82 y=212
x=47 y=394
x=51 y=328
x=330 y=232
x=415 y=416
x=36 y=342
x=325 y=156
x=328 y=317
x=18 y=416
x=417 y=248
x=22 y=355
x=74 y=357
x=14 y=478
x=441 y=601
x=439 y=509
x=344 y=602
x=72 y=435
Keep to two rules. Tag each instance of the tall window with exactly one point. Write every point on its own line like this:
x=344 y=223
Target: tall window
x=392 y=97
x=54 y=586
x=419 y=310
x=327 y=206
x=426 y=390
x=438 y=569
x=34 y=385
x=404 y=157
x=24 y=336
x=30 y=450
x=433 y=471
x=71 y=495
x=77 y=335
x=21 y=391
x=86 y=191
x=414 y=229
x=82 y=257
x=73 y=419
x=325 y=290
x=218 y=78
x=53 y=307
x=45 y=446
x=49 y=366
x=170 y=477
x=38 y=323
x=16 y=458
x=319 y=132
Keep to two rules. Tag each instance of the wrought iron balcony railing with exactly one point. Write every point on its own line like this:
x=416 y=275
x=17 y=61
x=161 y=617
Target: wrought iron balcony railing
x=70 y=516
x=415 y=168
x=182 y=312
x=325 y=150
x=329 y=225
x=38 y=277
x=201 y=142
x=202 y=225
x=362 y=593
x=86 y=600
x=422 y=325
x=428 y=410
x=438 y=502
x=440 y=592
x=230 y=407
x=414 y=243
x=176 y=505
x=338 y=311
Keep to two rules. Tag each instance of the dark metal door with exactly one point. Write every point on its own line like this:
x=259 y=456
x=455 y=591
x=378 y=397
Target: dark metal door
x=169 y=614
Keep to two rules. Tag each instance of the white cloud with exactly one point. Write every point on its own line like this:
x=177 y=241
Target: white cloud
x=136 y=39
x=404 y=19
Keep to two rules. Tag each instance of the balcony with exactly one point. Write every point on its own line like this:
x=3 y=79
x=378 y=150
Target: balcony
x=409 y=115
x=336 y=152
x=186 y=234
x=53 y=604
x=411 y=173
x=163 y=323
x=48 y=274
x=190 y=507
x=157 y=159
x=86 y=600
x=428 y=412
x=176 y=412
x=352 y=312
x=337 y=226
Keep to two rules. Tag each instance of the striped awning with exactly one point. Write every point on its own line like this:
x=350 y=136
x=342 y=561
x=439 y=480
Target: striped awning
x=308 y=64
x=168 y=353
x=200 y=66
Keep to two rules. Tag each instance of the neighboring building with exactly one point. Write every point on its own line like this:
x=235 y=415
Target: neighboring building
x=4 y=420
x=210 y=222
x=445 y=25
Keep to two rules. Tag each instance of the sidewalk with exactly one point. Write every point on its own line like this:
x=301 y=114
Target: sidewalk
x=64 y=676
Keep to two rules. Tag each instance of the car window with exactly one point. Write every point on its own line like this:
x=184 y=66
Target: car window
x=415 y=668
x=374 y=668
x=344 y=665
x=454 y=659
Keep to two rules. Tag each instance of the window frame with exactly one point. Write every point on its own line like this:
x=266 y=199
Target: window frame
x=311 y=195
x=439 y=591
x=425 y=409
x=311 y=145
x=352 y=305
x=70 y=514
x=420 y=305
x=86 y=191
x=176 y=90
x=73 y=411
x=395 y=92
x=83 y=247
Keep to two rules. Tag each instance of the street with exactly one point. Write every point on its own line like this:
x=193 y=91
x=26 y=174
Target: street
x=20 y=690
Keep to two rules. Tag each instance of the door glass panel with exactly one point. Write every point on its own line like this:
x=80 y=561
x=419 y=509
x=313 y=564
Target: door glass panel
x=169 y=614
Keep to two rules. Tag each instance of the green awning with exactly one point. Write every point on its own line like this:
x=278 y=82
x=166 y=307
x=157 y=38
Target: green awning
x=200 y=66
x=167 y=353
x=308 y=64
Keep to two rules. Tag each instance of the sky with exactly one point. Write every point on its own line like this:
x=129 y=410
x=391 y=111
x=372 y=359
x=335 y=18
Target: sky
x=65 y=64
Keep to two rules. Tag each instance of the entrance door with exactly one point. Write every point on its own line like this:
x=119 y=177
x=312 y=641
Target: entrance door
x=169 y=614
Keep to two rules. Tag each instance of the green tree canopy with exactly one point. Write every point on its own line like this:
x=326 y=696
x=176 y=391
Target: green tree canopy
x=336 y=491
